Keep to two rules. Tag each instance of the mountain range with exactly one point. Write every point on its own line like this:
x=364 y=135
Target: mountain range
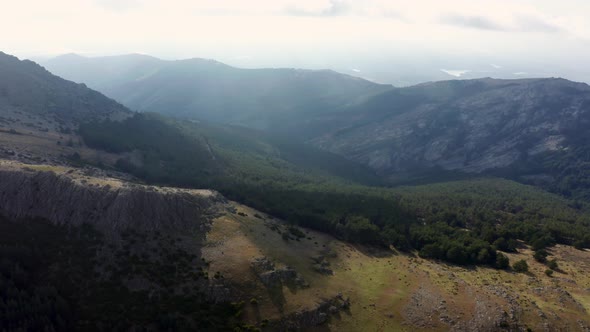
x=209 y=90
x=523 y=129
x=288 y=213
x=519 y=127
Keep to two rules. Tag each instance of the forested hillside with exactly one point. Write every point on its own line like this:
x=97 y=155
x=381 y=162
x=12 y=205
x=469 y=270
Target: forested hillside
x=463 y=222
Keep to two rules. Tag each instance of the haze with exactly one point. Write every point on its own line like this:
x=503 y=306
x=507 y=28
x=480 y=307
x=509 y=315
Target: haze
x=384 y=41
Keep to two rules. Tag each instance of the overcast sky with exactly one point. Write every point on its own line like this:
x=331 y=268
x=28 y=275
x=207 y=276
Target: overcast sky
x=310 y=33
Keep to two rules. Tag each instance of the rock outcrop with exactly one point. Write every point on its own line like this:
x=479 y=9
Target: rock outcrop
x=469 y=126
x=318 y=315
x=271 y=276
x=105 y=203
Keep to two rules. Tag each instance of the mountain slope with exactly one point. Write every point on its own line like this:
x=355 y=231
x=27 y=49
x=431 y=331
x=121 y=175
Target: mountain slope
x=40 y=113
x=32 y=89
x=179 y=268
x=101 y=72
x=209 y=90
x=218 y=265
x=469 y=126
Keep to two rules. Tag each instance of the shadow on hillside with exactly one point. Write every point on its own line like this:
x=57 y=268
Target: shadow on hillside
x=380 y=252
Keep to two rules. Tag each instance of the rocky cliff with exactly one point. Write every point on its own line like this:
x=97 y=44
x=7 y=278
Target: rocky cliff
x=74 y=197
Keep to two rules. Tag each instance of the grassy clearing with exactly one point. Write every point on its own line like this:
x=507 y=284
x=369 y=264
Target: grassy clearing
x=384 y=287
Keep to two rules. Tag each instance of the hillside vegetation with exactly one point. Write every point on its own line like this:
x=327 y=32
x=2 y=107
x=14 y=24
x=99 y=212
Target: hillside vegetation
x=464 y=222
x=308 y=237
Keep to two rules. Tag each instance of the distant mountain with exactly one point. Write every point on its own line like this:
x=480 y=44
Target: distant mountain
x=210 y=90
x=26 y=87
x=101 y=72
x=532 y=130
x=515 y=127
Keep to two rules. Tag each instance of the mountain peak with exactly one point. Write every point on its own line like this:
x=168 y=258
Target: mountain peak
x=29 y=87
x=4 y=57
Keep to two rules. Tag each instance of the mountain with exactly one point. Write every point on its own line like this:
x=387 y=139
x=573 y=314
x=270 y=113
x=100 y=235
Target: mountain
x=513 y=127
x=40 y=113
x=524 y=129
x=102 y=72
x=102 y=226
x=210 y=90
x=28 y=87
x=85 y=251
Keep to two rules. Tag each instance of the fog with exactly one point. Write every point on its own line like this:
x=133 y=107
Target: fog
x=382 y=40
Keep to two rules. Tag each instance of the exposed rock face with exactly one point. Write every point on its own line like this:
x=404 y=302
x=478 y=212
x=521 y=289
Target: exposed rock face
x=109 y=204
x=318 y=315
x=273 y=277
x=321 y=265
x=471 y=126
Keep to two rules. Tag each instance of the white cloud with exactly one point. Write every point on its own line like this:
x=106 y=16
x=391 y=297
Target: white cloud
x=119 y=5
x=455 y=72
x=262 y=29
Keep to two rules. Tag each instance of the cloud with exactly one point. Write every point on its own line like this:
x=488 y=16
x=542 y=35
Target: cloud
x=533 y=24
x=475 y=22
x=520 y=23
x=334 y=8
x=388 y=13
x=455 y=72
x=118 y=5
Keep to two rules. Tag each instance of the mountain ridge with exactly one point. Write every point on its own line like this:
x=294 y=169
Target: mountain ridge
x=471 y=126
x=209 y=90
x=32 y=88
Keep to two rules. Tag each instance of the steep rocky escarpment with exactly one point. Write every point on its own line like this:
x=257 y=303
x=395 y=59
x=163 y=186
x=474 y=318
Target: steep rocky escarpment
x=63 y=196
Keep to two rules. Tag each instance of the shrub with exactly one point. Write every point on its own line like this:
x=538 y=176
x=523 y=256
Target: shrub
x=540 y=255
x=521 y=266
x=552 y=264
x=505 y=245
x=502 y=261
x=296 y=232
x=549 y=272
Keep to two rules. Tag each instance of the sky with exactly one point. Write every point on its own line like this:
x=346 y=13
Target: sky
x=402 y=42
